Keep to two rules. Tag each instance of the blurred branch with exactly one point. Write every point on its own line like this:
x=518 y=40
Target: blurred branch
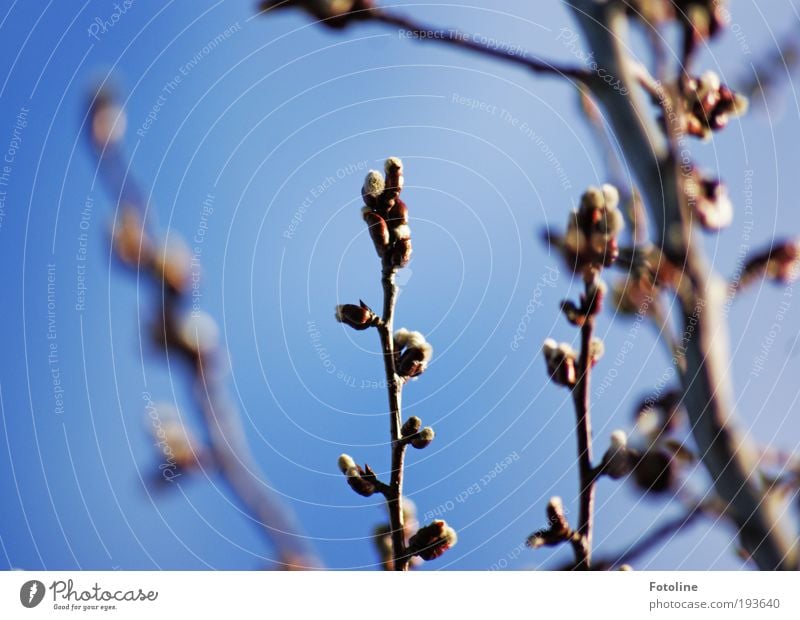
x=193 y=339
x=705 y=377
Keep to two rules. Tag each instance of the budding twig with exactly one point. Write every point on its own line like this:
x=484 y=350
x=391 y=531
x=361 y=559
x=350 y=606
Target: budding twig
x=405 y=356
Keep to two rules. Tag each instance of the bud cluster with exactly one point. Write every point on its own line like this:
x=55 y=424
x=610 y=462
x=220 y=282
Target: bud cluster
x=561 y=360
x=709 y=105
x=359 y=317
x=194 y=334
x=413 y=433
x=592 y=229
x=386 y=214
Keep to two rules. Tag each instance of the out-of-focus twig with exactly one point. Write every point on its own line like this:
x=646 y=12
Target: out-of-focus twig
x=193 y=339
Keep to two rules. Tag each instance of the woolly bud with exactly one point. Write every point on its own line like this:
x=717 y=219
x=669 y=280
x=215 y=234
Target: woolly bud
x=360 y=480
x=558 y=529
x=423 y=439
x=431 y=541
x=346 y=463
x=560 y=360
x=592 y=229
x=411 y=426
x=358 y=317
x=372 y=188
x=414 y=353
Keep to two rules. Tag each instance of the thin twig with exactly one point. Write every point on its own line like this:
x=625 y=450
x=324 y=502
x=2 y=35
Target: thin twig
x=587 y=477
x=394 y=493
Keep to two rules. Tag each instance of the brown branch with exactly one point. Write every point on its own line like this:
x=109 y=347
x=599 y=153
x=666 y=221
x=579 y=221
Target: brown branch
x=394 y=493
x=582 y=544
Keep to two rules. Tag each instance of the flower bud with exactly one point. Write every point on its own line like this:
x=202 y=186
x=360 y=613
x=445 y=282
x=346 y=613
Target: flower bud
x=431 y=541
x=592 y=229
x=560 y=360
x=198 y=334
x=423 y=439
x=373 y=188
x=360 y=479
x=709 y=201
x=411 y=426
x=558 y=529
x=709 y=105
x=346 y=463
x=413 y=353
x=358 y=317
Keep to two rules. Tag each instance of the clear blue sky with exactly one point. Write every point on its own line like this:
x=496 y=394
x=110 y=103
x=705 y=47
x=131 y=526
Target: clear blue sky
x=260 y=122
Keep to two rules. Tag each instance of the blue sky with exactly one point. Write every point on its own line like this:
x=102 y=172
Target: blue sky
x=281 y=114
